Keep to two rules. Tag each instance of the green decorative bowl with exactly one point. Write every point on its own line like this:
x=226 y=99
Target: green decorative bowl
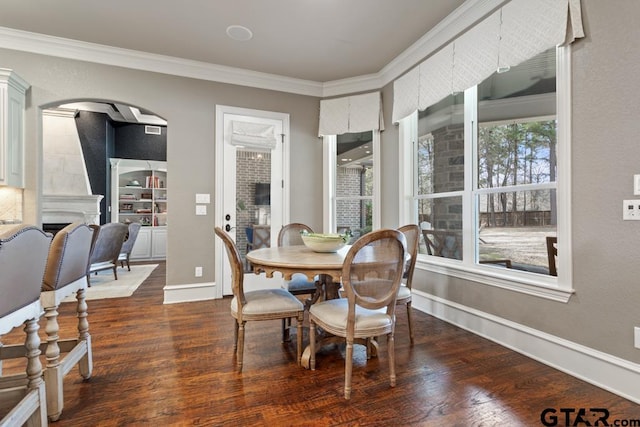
x=324 y=242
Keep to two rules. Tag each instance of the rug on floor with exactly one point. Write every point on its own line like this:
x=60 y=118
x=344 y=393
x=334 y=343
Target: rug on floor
x=103 y=285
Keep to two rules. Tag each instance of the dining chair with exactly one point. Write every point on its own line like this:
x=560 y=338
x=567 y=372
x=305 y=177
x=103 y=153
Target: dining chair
x=371 y=276
x=66 y=273
x=106 y=249
x=289 y=235
x=264 y=304
x=412 y=234
x=127 y=246
x=552 y=254
x=23 y=256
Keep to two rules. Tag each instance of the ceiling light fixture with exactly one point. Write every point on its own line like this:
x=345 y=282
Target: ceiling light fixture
x=239 y=33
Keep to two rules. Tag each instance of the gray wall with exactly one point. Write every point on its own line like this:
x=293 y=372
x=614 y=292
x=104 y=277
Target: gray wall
x=189 y=107
x=606 y=155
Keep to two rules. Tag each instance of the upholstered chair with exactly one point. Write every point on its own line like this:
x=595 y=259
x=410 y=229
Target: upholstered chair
x=23 y=255
x=106 y=249
x=127 y=246
x=265 y=304
x=412 y=234
x=371 y=276
x=66 y=273
x=289 y=235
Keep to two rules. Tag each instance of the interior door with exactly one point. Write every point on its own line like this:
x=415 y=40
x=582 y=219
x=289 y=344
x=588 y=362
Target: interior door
x=250 y=192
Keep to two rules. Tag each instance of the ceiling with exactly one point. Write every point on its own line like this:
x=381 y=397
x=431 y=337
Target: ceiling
x=315 y=40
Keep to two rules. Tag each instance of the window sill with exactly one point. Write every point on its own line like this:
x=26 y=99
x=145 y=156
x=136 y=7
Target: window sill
x=513 y=280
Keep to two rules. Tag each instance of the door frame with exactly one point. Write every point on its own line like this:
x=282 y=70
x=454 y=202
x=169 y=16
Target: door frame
x=221 y=110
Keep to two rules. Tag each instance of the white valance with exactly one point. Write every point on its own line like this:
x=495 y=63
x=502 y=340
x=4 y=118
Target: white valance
x=516 y=32
x=351 y=114
x=253 y=135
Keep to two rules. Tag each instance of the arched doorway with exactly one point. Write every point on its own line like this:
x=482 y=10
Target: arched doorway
x=80 y=137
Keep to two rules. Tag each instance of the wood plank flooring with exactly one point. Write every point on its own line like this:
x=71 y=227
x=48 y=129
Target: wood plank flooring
x=173 y=365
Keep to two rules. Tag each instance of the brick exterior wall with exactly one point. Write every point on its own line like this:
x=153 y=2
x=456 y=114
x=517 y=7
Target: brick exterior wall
x=251 y=167
x=448 y=176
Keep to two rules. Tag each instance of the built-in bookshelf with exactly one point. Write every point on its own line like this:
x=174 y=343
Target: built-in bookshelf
x=139 y=194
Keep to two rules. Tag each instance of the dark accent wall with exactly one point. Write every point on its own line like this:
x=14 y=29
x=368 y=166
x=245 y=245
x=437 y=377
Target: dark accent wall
x=133 y=143
x=101 y=139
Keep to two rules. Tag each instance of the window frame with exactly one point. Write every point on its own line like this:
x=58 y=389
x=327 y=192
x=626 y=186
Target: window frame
x=554 y=288
x=329 y=183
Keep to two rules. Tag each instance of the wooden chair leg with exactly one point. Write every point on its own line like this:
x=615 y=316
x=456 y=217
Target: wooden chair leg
x=299 y=338
x=392 y=360
x=84 y=338
x=312 y=345
x=35 y=380
x=240 y=350
x=348 y=368
x=53 y=375
x=235 y=335
x=410 y=322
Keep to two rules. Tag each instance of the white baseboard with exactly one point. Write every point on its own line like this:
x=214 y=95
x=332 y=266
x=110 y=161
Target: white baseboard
x=603 y=370
x=189 y=292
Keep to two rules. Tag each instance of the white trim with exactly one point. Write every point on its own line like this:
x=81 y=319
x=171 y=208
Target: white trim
x=603 y=370
x=221 y=111
x=189 y=292
x=563 y=180
x=458 y=21
x=518 y=281
x=329 y=183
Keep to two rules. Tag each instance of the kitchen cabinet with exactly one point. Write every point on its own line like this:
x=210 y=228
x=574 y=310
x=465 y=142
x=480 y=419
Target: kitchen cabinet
x=13 y=91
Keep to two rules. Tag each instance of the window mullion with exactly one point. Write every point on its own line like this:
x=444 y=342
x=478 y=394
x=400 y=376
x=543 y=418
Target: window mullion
x=469 y=224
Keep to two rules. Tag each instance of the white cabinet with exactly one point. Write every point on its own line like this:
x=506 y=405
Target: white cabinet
x=12 y=106
x=139 y=194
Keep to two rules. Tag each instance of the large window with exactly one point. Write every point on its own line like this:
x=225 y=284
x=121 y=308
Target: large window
x=484 y=182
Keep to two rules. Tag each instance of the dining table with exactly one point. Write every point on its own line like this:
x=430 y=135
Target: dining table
x=325 y=268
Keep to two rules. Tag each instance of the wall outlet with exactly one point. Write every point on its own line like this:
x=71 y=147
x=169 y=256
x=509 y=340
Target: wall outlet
x=631 y=210
x=636 y=337
x=198 y=271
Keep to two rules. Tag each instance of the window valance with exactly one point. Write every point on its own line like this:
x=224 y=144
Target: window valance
x=253 y=135
x=512 y=34
x=351 y=114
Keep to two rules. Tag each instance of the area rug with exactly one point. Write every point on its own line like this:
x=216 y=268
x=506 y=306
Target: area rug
x=103 y=285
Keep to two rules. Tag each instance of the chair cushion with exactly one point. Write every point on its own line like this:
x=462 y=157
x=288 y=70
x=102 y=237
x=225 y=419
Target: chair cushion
x=403 y=292
x=267 y=301
x=299 y=282
x=334 y=313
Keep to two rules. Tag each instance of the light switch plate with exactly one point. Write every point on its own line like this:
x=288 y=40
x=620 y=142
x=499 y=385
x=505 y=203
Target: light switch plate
x=203 y=198
x=201 y=209
x=636 y=339
x=636 y=185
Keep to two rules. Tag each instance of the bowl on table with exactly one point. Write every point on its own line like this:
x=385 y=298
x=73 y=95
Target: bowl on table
x=318 y=242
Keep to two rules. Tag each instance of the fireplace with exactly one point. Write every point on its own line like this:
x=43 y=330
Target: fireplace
x=65 y=209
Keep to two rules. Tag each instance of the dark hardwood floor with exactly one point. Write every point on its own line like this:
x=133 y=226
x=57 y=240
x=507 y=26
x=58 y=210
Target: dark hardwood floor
x=173 y=365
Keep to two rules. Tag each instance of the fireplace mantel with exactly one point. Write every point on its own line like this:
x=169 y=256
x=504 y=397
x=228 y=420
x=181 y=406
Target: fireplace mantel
x=61 y=208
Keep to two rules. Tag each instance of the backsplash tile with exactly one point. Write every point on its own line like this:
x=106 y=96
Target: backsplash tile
x=10 y=205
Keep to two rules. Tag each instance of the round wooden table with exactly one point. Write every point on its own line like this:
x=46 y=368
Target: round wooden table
x=288 y=260
x=325 y=268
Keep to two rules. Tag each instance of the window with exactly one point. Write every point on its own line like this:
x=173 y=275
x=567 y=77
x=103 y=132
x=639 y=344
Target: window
x=352 y=182
x=484 y=185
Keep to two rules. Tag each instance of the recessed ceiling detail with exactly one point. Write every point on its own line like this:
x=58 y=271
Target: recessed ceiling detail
x=239 y=33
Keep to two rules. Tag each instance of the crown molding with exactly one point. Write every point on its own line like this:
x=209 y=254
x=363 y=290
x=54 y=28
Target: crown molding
x=457 y=22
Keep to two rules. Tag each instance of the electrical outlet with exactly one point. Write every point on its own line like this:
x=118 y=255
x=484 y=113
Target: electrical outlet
x=631 y=210
x=636 y=337
x=198 y=271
